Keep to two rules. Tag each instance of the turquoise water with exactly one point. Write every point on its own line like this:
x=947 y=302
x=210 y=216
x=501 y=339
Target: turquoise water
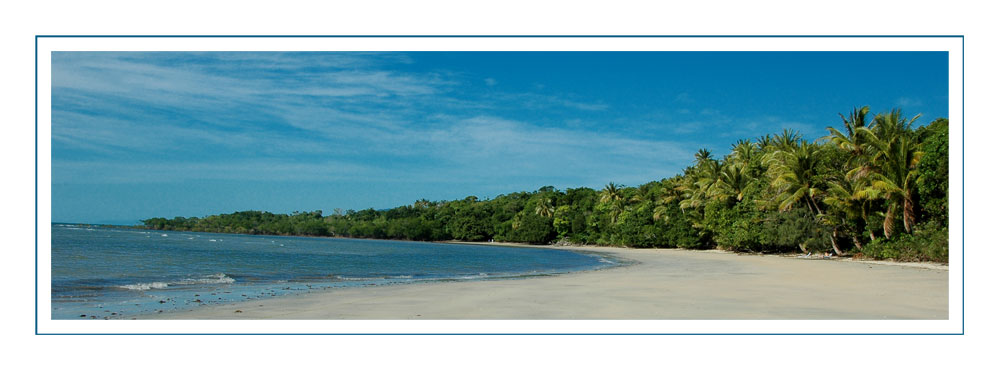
x=100 y=273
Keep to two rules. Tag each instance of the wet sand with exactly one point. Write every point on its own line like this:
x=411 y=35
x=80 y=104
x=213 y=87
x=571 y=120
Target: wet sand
x=660 y=284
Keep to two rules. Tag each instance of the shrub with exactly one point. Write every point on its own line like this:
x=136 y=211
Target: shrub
x=928 y=243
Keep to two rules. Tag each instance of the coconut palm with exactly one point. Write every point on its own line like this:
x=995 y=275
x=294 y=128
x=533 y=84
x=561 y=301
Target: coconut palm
x=731 y=183
x=697 y=182
x=764 y=142
x=893 y=174
x=852 y=139
x=796 y=176
x=545 y=208
x=669 y=193
x=701 y=156
x=611 y=193
x=743 y=152
x=688 y=187
x=788 y=140
x=612 y=196
x=845 y=209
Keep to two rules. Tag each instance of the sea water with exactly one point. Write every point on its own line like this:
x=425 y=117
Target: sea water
x=108 y=273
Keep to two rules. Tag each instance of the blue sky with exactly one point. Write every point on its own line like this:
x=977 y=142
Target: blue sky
x=138 y=135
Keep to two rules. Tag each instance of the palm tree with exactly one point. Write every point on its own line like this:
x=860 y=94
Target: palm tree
x=701 y=156
x=893 y=174
x=731 y=183
x=688 y=187
x=696 y=184
x=765 y=142
x=743 y=152
x=671 y=192
x=798 y=178
x=845 y=209
x=795 y=175
x=856 y=141
x=612 y=196
x=545 y=208
x=788 y=140
x=610 y=193
x=852 y=139
x=697 y=180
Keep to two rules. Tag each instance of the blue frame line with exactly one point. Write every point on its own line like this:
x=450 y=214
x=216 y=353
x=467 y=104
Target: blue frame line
x=36 y=185
x=503 y=36
x=509 y=334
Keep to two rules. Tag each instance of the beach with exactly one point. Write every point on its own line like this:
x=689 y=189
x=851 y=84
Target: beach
x=656 y=284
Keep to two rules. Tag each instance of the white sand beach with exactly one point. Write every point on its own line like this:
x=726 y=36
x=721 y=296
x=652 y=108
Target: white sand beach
x=661 y=284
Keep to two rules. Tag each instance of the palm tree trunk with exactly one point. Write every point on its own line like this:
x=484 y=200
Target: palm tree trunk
x=890 y=216
x=909 y=215
x=818 y=210
x=811 y=204
x=857 y=242
x=865 y=208
x=833 y=242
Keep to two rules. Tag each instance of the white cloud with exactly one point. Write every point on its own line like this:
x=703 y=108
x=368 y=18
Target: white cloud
x=332 y=119
x=909 y=102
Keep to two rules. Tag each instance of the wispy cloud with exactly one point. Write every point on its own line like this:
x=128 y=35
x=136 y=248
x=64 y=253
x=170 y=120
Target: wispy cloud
x=132 y=172
x=684 y=98
x=316 y=117
x=909 y=102
x=251 y=116
x=492 y=145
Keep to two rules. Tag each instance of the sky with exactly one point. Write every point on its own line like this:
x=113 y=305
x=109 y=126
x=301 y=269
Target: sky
x=137 y=135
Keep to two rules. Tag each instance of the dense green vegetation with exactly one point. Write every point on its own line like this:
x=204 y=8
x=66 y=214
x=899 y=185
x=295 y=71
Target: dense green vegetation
x=876 y=187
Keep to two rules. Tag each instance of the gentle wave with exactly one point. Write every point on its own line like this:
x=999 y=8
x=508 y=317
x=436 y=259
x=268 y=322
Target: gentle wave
x=214 y=279
x=344 y=278
x=480 y=275
x=146 y=286
x=217 y=278
x=373 y=278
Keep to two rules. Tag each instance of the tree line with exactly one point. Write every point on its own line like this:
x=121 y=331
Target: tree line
x=877 y=186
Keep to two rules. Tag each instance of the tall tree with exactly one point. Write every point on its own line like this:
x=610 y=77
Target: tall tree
x=545 y=208
x=731 y=183
x=670 y=192
x=893 y=174
x=846 y=211
x=853 y=139
x=796 y=176
x=612 y=196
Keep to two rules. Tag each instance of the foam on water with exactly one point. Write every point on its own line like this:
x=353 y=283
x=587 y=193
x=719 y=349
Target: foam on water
x=346 y=278
x=218 y=278
x=146 y=286
x=214 y=279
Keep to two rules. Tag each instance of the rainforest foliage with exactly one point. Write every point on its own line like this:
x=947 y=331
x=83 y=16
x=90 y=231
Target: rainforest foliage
x=876 y=186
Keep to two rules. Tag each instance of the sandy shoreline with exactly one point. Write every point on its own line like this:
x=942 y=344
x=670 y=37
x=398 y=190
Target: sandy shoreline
x=660 y=284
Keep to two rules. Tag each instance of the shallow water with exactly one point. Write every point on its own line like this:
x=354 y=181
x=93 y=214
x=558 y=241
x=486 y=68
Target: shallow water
x=102 y=273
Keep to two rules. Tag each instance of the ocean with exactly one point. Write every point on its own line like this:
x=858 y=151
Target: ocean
x=119 y=273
